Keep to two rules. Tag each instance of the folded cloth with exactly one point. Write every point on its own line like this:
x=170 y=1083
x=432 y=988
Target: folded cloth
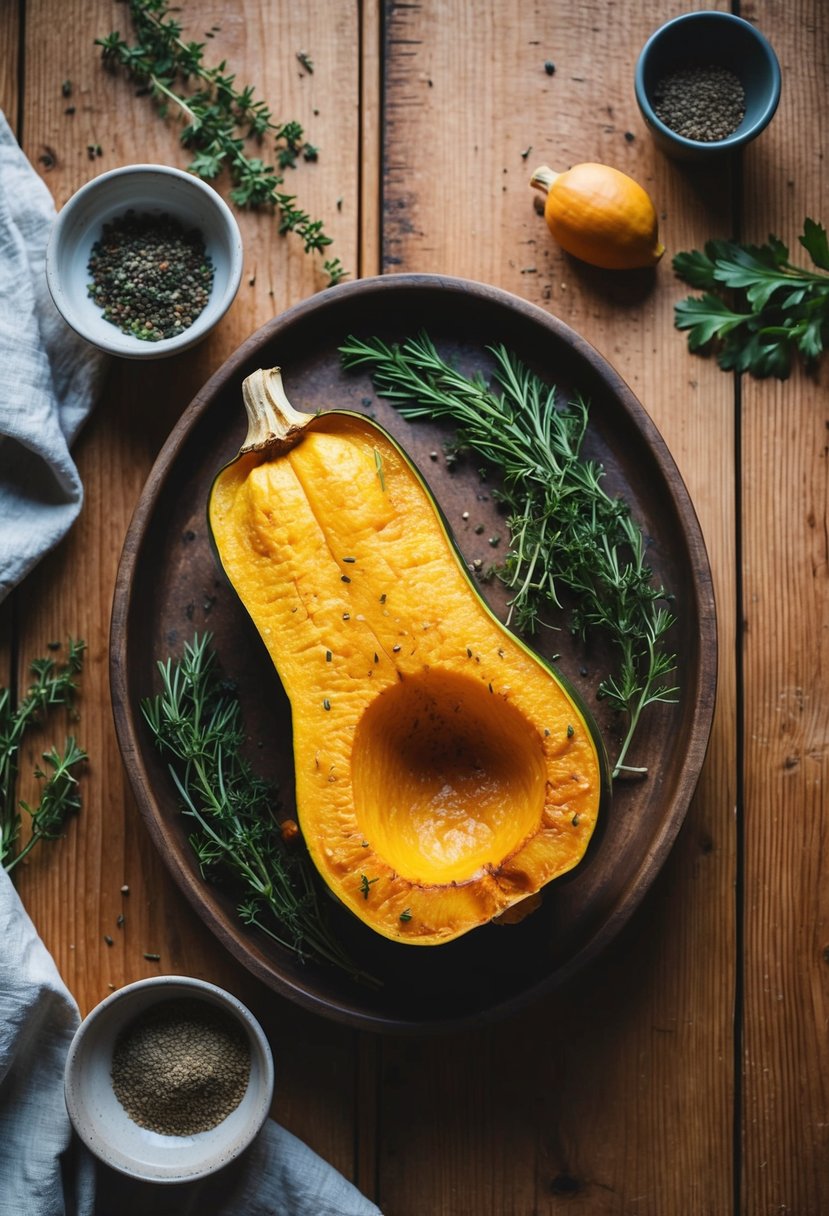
x=49 y=379
x=46 y=1171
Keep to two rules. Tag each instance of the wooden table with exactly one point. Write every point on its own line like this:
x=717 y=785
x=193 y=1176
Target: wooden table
x=687 y=1073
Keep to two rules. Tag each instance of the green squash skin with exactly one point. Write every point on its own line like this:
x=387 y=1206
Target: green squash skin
x=317 y=421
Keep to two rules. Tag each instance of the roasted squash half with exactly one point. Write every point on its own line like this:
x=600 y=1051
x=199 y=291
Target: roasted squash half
x=444 y=772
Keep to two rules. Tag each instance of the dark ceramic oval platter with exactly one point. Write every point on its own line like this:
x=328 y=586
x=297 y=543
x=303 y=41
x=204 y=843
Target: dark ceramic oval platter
x=169 y=587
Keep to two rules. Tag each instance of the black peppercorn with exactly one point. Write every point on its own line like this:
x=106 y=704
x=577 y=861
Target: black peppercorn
x=704 y=103
x=150 y=275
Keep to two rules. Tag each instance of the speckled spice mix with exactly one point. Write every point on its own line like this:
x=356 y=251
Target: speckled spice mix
x=181 y=1067
x=704 y=103
x=150 y=275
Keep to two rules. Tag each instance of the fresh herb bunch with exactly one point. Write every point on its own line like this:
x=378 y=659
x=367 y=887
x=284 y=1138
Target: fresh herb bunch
x=566 y=532
x=196 y=721
x=219 y=118
x=53 y=685
x=776 y=311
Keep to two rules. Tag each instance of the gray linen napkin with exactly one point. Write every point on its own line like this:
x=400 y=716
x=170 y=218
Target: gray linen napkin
x=45 y=1171
x=48 y=378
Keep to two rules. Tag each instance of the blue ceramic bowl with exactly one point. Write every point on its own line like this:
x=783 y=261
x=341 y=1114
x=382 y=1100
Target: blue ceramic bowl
x=704 y=39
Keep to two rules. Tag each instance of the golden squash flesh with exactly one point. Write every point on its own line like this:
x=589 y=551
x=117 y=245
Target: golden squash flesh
x=443 y=772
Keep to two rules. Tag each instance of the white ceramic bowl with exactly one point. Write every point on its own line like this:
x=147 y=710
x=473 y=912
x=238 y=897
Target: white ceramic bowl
x=102 y=1122
x=149 y=189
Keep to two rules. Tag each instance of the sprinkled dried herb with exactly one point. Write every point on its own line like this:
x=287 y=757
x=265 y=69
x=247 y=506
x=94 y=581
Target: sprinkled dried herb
x=366 y=885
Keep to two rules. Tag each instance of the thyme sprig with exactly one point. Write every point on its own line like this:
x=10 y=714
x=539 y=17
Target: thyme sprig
x=53 y=684
x=196 y=723
x=566 y=532
x=220 y=116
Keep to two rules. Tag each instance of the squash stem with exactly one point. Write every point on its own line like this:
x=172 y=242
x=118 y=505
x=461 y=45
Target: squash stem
x=543 y=178
x=273 y=423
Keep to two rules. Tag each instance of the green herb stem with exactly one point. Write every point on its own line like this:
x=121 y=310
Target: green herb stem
x=53 y=685
x=220 y=117
x=58 y=800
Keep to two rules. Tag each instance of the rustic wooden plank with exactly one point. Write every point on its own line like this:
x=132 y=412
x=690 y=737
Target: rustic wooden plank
x=73 y=890
x=9 y=62
x=786 y=812
x=615 y=1095
x=370 y=137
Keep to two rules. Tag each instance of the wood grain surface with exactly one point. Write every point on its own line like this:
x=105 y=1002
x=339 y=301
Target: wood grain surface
x=686 y=1071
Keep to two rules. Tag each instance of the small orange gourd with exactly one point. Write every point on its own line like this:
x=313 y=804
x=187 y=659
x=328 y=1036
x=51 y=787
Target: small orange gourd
x=600 y=215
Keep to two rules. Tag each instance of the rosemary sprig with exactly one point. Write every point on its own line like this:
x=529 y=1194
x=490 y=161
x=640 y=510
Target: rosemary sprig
x=566 y=531
x=53 y=685
x=196 y=722
x=219 y=117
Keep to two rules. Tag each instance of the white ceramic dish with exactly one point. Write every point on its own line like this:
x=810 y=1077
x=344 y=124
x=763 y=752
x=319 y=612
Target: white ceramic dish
x=149 y=189
x=105 y=1127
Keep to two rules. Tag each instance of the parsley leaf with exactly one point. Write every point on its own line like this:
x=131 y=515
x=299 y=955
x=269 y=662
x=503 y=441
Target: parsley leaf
x=707 y=317
x=815 y=242
x=758 y=311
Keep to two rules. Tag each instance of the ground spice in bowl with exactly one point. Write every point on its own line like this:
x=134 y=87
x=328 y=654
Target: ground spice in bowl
x=151 y=276
x=704 y=103
x=181 y=1067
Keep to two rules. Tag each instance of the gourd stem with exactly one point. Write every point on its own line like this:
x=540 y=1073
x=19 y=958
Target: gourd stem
x=272 y=420
x=543 y=178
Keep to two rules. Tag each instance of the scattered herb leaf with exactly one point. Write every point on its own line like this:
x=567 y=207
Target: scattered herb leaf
x=378 y=464
x=366 y=885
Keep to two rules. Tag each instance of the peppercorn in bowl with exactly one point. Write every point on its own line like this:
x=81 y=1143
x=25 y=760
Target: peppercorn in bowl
x=144 y=260
x=706 y=82
x=168 y=1079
